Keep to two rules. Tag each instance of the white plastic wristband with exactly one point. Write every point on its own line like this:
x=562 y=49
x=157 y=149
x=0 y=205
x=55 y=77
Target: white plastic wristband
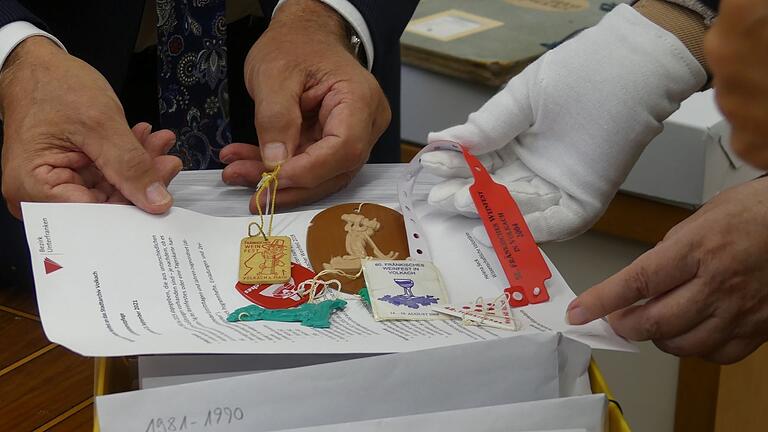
x=417 y=242
x=11 y=35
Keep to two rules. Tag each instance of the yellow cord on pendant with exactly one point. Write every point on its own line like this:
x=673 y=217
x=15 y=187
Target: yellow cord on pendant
x=269 y=183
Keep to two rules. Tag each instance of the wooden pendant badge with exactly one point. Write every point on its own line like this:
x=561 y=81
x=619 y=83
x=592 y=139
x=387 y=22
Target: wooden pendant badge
x=265 y=260
x=340 y=236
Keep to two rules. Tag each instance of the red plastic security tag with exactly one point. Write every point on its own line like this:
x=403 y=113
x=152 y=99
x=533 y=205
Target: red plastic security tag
x=510 y=237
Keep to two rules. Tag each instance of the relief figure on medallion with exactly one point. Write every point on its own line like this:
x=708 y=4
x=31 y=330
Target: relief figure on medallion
x=359 y=232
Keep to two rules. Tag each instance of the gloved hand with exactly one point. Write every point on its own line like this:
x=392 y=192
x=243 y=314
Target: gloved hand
x=563 y=135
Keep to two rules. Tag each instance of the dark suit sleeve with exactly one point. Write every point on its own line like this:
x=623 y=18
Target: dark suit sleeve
x=386 y=21
x=712 y=4
x=11 y=10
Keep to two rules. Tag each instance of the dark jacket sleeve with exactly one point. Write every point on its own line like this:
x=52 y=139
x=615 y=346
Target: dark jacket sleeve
x=11 y=10
x=386 y=21
x=712 y=4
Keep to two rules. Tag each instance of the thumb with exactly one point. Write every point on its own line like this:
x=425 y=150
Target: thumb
x=480 y=234
x=505 y=116
x=130 y=169
x=277 y=117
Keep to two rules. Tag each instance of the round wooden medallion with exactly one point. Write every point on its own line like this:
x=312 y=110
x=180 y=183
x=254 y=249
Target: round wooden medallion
x=339 y=236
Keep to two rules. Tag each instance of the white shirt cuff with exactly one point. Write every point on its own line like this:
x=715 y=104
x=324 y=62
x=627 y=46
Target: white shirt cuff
x=353 y=17
x=11 y=35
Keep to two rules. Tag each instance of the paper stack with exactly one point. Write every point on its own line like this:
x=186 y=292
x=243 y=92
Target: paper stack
x=128 y=283
x=528 y=382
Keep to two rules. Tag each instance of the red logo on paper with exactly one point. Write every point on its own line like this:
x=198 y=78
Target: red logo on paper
x=281 y=295
x=50 y=266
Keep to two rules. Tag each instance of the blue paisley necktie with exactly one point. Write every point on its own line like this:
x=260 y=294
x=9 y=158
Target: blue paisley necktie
x=192 y=79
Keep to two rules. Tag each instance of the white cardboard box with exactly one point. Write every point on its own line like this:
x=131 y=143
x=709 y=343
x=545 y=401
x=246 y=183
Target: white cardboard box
x=686 y=165
x=692 y=160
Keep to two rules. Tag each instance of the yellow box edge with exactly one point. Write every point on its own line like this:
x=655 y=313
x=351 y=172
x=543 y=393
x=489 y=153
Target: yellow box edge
x=616 y=421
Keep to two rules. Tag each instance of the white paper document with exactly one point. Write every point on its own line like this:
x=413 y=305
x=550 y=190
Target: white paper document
x=496 y=372
x=204 y=192
x=112 y=280
x=578 y=413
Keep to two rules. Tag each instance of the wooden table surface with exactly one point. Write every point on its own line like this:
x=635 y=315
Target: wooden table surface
x=43 y=386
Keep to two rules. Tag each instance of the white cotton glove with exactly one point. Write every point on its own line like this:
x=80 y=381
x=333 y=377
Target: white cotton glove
x=563 y=135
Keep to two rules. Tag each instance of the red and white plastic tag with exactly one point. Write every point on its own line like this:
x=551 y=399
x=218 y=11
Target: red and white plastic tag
x=279 y=295
x=485 y=312
x=519 y=256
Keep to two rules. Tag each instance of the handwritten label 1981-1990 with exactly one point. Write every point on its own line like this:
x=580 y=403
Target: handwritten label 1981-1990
x=219 y=416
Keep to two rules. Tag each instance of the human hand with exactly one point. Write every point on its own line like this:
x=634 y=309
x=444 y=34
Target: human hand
x=737 y=54
x=563 y=135
x=66 y=138
x=318 y=111
x=706 y=283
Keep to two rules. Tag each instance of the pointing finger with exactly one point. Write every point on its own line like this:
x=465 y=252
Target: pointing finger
x=657 y=271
